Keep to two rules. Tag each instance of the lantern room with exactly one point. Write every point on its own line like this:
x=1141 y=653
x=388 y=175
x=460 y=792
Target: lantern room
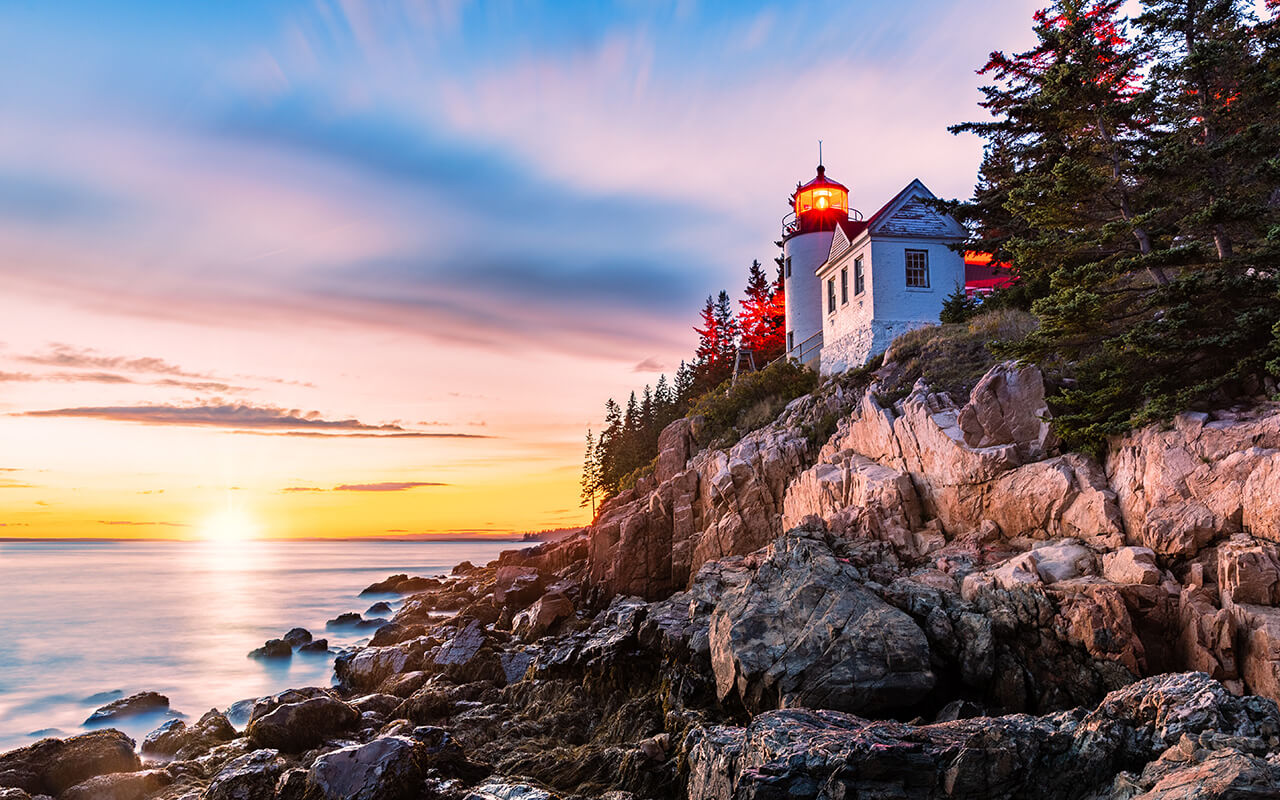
x=819 y=204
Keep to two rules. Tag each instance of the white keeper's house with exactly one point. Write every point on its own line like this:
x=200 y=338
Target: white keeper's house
x=853 y=284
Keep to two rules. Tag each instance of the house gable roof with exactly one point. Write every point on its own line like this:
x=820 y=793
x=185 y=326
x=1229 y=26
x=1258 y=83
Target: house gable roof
x=908 y=215
x=846 y=233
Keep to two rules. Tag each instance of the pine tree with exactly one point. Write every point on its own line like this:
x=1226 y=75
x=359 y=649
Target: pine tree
x=1212 y=159
x=590 y=479
x=683 y=389
x=706 y=356
x=958 y=307
x=607 y=447
x=757 y=320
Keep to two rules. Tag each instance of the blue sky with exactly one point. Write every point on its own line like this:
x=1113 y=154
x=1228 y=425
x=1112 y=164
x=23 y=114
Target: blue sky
x=463 y=213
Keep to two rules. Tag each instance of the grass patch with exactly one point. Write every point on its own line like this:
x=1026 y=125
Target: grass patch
x=951 y=357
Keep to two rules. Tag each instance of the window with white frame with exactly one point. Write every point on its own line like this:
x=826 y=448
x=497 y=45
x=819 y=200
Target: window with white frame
x=859 y=276
x=844 y=285
x=791 y=340
x=918 y=269
x=831 y=295
x=788 y=266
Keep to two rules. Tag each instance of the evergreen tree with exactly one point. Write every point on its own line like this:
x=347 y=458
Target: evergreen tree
x=758 y=319
x=1212 y=161
x=683 y=389
x=590 y=479
x=1102 y=222
x=958 y=307
x=607 y=446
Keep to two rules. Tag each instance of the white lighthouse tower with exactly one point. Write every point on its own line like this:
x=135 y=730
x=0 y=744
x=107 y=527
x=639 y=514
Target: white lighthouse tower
x=817 y=208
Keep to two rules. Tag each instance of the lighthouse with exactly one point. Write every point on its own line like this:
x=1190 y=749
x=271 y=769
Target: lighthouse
x=817 y=208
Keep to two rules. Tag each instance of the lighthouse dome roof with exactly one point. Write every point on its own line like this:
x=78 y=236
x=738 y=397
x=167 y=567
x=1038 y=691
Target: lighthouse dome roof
x=822 y=181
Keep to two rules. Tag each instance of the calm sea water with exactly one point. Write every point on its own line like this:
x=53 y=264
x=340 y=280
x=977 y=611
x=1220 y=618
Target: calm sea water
x=82 y=622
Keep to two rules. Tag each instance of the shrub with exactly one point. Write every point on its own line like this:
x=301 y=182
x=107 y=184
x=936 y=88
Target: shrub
x=732 y=410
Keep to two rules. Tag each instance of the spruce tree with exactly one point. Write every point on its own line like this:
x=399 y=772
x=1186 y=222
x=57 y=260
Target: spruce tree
x=590 y=480
x=758 y=318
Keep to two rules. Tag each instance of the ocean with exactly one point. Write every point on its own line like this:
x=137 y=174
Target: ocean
x=82 y=623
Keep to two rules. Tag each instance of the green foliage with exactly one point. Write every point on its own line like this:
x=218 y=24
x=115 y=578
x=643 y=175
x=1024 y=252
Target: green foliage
x=818 y=432
x=735 y=409
x=629 y=480
x=1203 y=338
x=952 y=357
x=959 y=306
x=1129 y=180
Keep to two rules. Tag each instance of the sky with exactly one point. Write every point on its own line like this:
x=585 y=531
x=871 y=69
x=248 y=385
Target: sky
x=372 y=267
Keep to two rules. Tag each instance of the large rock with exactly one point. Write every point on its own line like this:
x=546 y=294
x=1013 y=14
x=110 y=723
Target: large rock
x=51 y=766
x=1248 y=572
x=1008 y=407
x=119 y=786
x=1208 y=766
x=804 y=632
x=517 y=586
x=140 y=703
x=177 y=739
x=252 y=776
x=370 y=666
x=538 y=618
x=294 y=727
x=802 y=754
x=675 y=444
x=387 y=768
x=853 y=493
x=1131 y=565
x=1205 y=478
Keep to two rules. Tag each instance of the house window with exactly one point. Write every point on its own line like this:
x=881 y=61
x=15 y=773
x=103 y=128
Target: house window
x=788 y=266
x=831 y=295
x=844 y=285
x=859 y=277
x=918 y=269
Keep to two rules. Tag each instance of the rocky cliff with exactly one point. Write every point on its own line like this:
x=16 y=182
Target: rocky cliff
x=865 y=598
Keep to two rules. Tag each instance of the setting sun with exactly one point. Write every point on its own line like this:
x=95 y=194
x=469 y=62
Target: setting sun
x=229 y=525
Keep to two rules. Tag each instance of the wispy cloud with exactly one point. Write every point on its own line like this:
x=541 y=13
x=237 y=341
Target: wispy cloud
x=386 y=486
x=116 y=378
x=130 y=522
x=240 y=417
x=389 y=486
x=8 y=483
x=649 y=365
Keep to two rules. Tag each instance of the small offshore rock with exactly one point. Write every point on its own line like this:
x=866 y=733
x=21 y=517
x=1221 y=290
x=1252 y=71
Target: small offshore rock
x=348 y=619
x=297 y=637
x=402 y=584
x=140 y=703
x=378 y=608
x=274 y=648
x=315 y=646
